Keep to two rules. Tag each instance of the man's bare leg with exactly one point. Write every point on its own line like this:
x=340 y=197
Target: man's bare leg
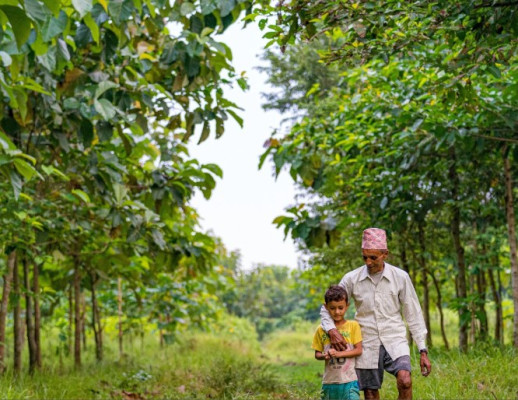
x=371 y=394
x=404 y=385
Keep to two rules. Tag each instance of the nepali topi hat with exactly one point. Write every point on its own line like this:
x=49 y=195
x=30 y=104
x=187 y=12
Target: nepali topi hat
x=374 y=239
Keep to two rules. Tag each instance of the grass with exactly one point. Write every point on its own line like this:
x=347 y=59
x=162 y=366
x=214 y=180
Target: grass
x=232 y=364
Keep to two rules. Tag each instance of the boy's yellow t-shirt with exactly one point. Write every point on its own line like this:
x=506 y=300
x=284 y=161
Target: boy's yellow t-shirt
x=339 y=370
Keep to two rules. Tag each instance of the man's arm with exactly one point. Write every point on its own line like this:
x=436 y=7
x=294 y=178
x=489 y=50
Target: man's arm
x=354 y=352
x=416 y=325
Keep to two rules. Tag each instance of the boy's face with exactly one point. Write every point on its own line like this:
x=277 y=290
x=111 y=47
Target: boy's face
x=337 y=309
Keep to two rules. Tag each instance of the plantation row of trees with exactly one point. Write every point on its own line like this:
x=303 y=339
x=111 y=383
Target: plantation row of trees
x=98 y=99
x=406 y=118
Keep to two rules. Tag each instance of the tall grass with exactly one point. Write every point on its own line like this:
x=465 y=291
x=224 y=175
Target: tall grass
x=230 y=363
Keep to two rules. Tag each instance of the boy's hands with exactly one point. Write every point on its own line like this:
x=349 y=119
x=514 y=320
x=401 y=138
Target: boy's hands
x=332 y=352
x=337 y=340
x=327 y=356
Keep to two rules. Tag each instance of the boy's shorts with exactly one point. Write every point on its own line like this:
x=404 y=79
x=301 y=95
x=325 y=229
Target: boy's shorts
x=373 y=378
x=340 y=391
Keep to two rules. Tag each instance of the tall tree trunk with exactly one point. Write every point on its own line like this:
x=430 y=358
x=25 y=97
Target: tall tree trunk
x=481 y=309
x=459 y=250
x=404 y=258
x=8 y=277
x=37 y=313
x=119 y=301
x=17 y=325
x=70 y=319
x=511 y=230
x=500 y=291
x=439 y=307
x=424 y=277
x=498 y=304
x=96 y=321
x=83 y=319
x=29 y=318
x=472 y=309
x=77 y=315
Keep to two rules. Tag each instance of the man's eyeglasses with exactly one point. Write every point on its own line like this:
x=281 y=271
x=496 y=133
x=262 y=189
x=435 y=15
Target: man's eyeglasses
x=373 y=258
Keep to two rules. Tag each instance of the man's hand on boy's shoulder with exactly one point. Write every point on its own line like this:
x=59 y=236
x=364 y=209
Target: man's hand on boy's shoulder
x=337 y=340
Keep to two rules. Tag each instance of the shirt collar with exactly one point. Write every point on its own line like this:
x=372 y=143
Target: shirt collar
x=386 y=273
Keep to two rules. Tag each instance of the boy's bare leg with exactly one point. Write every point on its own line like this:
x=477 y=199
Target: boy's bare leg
x=371 y=394
x=404 y=385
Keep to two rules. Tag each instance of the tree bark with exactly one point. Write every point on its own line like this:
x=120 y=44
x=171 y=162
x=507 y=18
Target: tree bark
x=119 y=301
x=83 y=319
x=31 y=342
x=96 y=321
x=8 y=277
x=424 y=277
x=511 y=230
x=70 y=319
x=482 y=314
x=17 y=325
x=498 y=304
x=37 y=313
x=77 y=315
x=439 y=307
x=459 y=250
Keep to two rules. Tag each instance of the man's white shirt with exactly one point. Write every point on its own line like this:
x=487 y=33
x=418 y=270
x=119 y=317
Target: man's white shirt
x=379 y=310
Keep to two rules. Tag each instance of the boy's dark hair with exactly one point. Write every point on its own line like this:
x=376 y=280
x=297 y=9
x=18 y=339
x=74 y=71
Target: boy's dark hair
x=336 y=293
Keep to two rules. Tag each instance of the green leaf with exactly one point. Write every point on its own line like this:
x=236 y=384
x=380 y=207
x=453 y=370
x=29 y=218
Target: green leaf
x=24 y=168
x=215 y=169
x=83 y=7
x=103 y=87
x=495 y=71
x=186 y=8
x=53 y=5
x=54 y=26
x=226 y=7
x=16 y=183
x=120 y=10
x=92 y=25
x=105 y=109
x=86 y=132
x=204 y=132
x=36 y=11
x=81 y=195
x=20 y=23
x=5 y=142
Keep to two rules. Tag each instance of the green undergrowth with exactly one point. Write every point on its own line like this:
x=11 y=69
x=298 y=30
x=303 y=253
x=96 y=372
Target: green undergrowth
x=230 y=363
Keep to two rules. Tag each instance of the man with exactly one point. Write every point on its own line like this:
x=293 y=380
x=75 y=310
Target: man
x=381 y=292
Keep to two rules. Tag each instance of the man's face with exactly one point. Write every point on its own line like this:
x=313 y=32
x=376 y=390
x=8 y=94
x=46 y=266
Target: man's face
x=374 y=259
x=337 y=309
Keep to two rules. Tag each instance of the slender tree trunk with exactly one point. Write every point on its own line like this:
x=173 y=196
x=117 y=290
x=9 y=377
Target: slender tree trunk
x=37 y=313
x=424 y=277
x=498 y=304
x=119 y=301
x=459 y=250
x=8 y=277
x=439 y=307
x=70 y=319
x=17 y=325
x=511 y=230
x=77 y=315
x=500 y=291
x=29 y=318
x=83 y=319
x=96 y=321
x=472 y=309
x=404 y=258
x=482 y=314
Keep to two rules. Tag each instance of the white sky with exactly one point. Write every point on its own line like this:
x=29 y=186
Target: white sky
x=246 y=200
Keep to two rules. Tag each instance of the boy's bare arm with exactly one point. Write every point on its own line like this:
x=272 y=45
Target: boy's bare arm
x=355 y=352
x=321 y=356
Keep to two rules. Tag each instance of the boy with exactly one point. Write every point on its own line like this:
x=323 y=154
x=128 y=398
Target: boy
x=339 y=381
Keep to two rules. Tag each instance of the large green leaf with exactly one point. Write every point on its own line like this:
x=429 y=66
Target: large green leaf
x=83 y=7
x=105 y=109
x=36 y=11
x=20 y=23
